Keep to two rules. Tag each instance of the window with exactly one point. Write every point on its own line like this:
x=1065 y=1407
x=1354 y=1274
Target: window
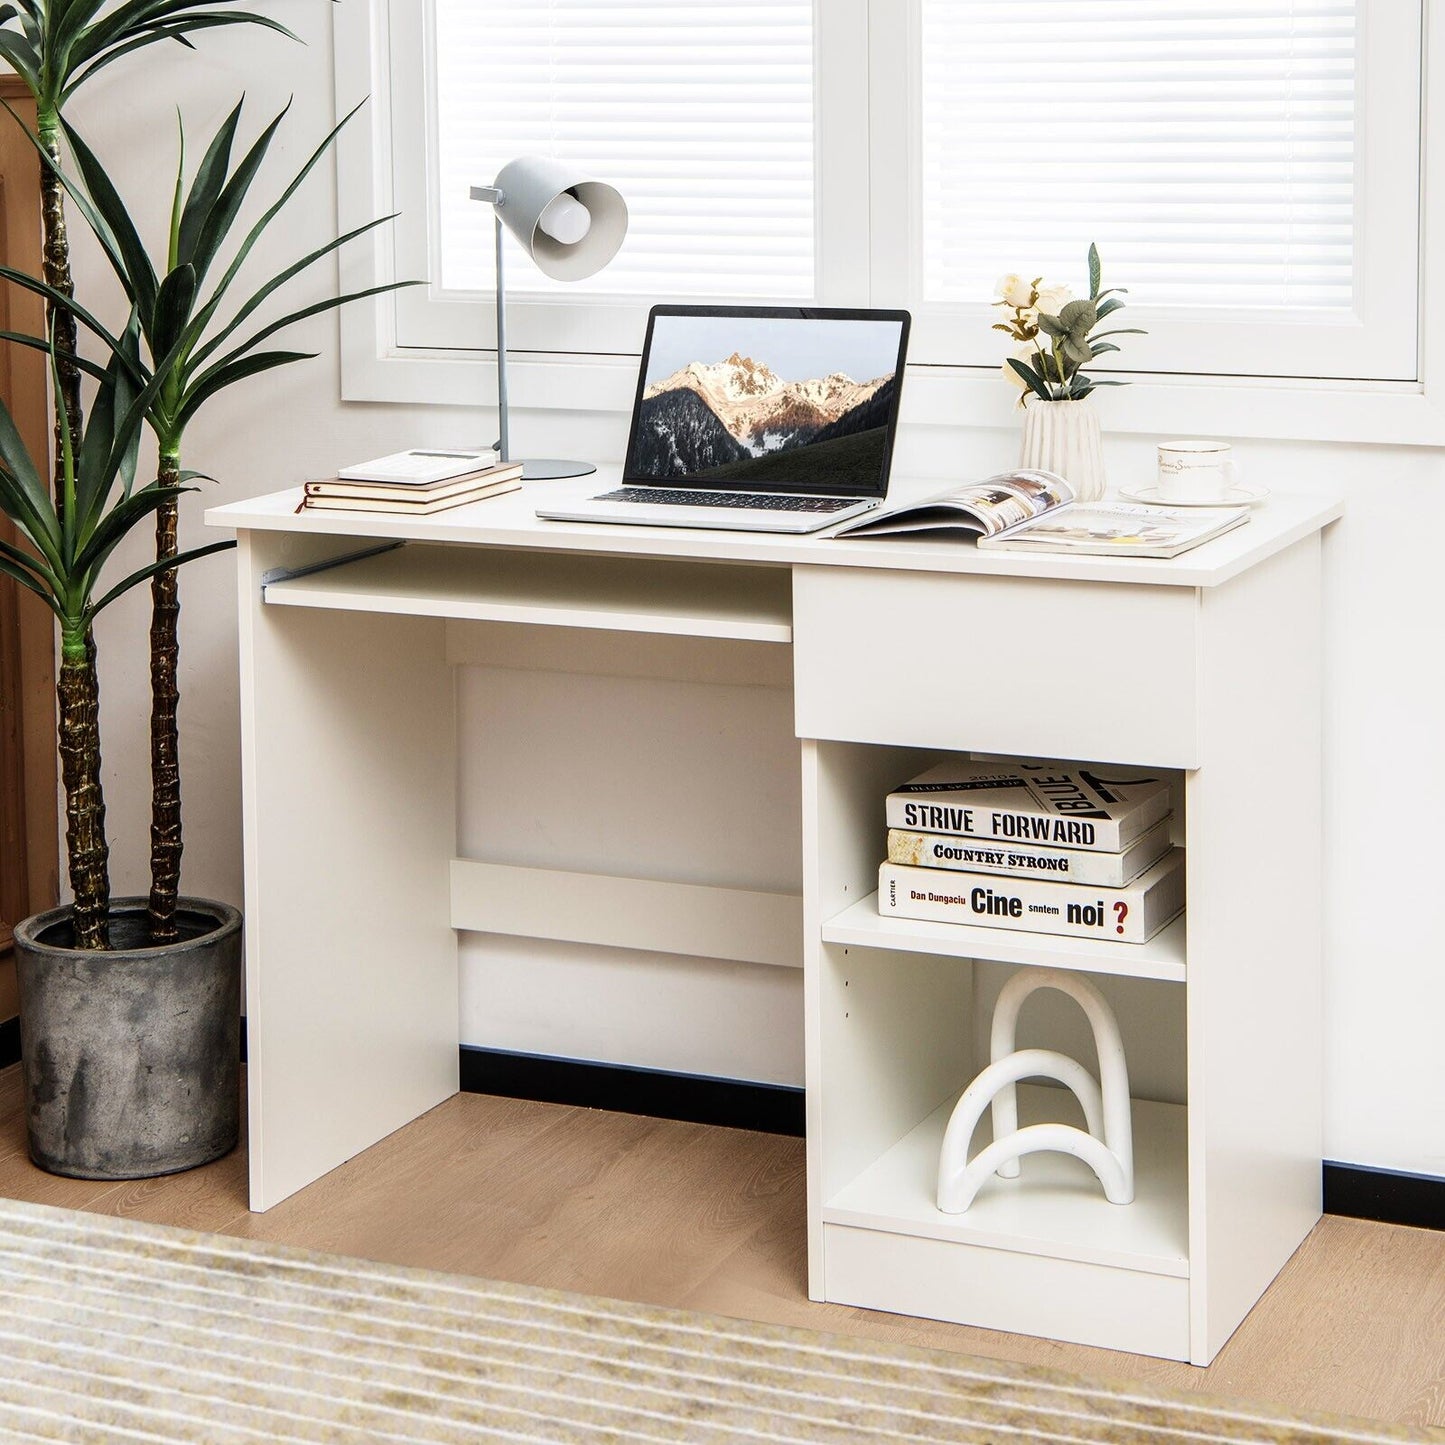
x=704 y=117
x=1214 y=151
x=1249 y=168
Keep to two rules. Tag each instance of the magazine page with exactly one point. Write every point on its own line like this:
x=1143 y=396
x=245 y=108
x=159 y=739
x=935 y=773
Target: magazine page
x=987 y=507
x=1122 y=528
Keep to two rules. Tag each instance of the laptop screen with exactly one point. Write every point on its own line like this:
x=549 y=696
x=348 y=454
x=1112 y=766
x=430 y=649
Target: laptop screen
x=768 y=399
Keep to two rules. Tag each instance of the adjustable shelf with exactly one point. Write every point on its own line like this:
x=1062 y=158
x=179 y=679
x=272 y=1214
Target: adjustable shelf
x=619 y=594
x=861 y=926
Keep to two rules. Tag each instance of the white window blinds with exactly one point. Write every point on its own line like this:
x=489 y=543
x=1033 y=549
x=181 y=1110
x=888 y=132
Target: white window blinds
x=1208 y=148
x=700 y=114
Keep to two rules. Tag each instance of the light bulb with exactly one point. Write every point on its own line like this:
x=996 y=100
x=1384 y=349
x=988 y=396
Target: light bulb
x=565 y=219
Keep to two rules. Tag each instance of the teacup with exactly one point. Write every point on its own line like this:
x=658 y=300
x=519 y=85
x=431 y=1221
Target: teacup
x=1195 y=471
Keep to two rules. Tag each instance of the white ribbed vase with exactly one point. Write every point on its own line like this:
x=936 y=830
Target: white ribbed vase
x=1063 y=437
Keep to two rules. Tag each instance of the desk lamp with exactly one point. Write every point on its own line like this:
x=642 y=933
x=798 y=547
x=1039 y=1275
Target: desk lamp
x=571 y=227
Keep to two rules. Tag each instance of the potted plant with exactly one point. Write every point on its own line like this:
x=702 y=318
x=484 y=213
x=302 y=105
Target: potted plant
x=1060 y=337
x=130 y=1007
x=113 y=1033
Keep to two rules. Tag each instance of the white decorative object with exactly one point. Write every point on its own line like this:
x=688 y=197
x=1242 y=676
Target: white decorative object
x=1063 y=437
x=1106 y=1145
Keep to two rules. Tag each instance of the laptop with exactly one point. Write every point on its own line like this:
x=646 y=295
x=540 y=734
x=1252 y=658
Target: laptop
x=757 y=419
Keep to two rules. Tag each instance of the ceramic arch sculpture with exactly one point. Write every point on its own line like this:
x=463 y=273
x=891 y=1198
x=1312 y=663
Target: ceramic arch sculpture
x=1106 y=1146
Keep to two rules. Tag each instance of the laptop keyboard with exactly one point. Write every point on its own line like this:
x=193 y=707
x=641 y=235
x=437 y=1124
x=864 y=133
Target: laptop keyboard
x=752 y=501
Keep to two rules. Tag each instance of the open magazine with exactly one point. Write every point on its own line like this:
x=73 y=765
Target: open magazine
x=1036 y=511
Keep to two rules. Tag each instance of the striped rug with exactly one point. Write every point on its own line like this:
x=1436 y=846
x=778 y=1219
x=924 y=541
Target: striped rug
x=116 y=1331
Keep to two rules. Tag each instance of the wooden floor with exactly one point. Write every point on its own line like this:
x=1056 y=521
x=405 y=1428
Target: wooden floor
x=712 y=1219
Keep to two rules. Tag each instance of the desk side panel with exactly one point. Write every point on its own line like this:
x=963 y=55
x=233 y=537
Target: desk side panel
x=1254 y=939
x=349 y=814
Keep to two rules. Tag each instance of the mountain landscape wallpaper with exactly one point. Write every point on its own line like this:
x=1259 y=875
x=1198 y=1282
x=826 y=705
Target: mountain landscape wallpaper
x=792 y=402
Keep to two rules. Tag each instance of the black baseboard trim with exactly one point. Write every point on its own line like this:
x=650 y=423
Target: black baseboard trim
x=695 y=1098
x=1388 y=1195
x=1355 y=1191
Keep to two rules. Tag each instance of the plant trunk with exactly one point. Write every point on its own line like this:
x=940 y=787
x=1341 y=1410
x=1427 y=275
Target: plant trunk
x=78 y=688
x=165 y=748
x=56 y=258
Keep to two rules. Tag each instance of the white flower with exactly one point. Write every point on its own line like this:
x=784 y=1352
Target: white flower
x=1053 y=299
x=1025 y=354
x=1013 y=290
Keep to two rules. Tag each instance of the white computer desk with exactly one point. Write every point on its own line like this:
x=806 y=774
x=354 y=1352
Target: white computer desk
x=1209 y=663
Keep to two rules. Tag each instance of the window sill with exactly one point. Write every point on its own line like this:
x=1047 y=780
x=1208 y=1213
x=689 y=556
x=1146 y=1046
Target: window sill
x=1395 y=413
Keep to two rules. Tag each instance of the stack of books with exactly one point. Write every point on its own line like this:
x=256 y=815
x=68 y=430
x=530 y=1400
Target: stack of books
x=1037 y=845
x=412 y=483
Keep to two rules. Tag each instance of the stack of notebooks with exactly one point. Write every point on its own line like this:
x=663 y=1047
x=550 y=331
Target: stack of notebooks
x=1036 y=845
x=413 y=483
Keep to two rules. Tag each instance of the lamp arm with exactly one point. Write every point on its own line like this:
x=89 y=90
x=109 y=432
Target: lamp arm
x=494 y=196
x=504 y=452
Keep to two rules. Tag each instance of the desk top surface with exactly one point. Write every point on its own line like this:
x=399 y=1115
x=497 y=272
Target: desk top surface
x=510 y=521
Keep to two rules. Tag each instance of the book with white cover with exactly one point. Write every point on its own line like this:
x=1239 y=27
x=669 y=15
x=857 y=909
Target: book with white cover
x=418 y=467
x=1027 y=860
x=1098 y=807
x=1131 y=914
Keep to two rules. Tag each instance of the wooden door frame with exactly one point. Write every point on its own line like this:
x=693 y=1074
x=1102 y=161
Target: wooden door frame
x=29 y=822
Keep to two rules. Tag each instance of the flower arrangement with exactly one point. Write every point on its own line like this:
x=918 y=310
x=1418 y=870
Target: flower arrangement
x=1059 y=334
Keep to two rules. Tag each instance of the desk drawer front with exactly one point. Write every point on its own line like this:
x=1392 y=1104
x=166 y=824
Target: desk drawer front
x=1096 y=670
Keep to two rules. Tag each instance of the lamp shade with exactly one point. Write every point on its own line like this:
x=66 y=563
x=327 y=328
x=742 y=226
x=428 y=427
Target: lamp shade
x=530 y=185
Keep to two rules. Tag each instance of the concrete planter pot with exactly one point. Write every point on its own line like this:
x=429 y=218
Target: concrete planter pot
x=131 y=1057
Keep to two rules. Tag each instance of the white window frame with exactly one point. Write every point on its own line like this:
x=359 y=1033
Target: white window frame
x=862 y=192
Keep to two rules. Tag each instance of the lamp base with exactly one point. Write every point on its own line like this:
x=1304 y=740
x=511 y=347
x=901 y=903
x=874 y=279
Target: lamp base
x=553 y=471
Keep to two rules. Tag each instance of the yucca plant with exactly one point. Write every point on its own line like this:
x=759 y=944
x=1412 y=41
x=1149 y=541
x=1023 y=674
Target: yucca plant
x=72 y=530
x=182 y=317
x=55 y=46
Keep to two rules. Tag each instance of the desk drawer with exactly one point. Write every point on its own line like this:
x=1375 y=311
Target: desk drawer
x=1095 y=670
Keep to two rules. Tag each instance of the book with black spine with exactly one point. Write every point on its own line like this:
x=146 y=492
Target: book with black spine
x=1092 y=806
x=1030 y=860
x=1133 y=913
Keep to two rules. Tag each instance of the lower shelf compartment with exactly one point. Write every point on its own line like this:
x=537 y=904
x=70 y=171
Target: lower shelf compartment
x=1056 y=1208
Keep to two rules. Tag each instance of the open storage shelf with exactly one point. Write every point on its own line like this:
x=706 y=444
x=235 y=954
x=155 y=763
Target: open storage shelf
x=861 y=926
x=1055 y=1208
x=619 y=594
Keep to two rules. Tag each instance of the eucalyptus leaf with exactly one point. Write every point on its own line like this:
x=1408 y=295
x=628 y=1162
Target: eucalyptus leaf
x=1076 y=314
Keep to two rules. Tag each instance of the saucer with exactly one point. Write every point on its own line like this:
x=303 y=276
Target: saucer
x=1241 y=494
